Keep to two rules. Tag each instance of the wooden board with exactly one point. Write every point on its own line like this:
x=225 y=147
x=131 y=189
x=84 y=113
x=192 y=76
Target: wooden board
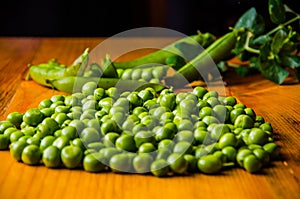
x=279 y=105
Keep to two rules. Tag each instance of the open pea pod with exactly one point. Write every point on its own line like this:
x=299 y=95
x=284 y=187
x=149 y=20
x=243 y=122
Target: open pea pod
x=74 y=84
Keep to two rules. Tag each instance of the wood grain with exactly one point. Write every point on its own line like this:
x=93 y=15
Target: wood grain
x=278 y=104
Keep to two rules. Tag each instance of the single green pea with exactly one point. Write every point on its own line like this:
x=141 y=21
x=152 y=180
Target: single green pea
x=221 y=113
x=71 y=156
x=46 y=103
x=126 y=142
x=47 y=112
x=257 y=136
x=56 y=98
x=61 y=142
x=4 y=142
x=183 y=147
x=210 y=120
x=121 y=163
x=244 y=121
x=15 y=118
x=46 y=141
x=184 y=135
x=213 y=101
x=110 y=126
x=266 y=127
x=142 y=163
x=200 y=135
x=31 y=154
x=209 y=164
x=78 y=124
x=113 y=92
x=230 y=153
x=227 y=139
x=242 y=106
x=16 y=149
x=89 y=88
x=250 y=112
x=34 y=141
x=89 y=135
x=15 y=136
x=162 y=133
x=160 y=168
x=166 y=143
x=252 y=164
x=192 y=162
x=230 y=100
x=218 y=130
x=273 y=149
x=199 y=91
x=70 y=132
x=147 y=147
x=163 y=153
x=205 y=111
x=33 y=117
x=177 y=163
x=185 y=124
x=94 y=162
x=56 y=104
x=51 y=157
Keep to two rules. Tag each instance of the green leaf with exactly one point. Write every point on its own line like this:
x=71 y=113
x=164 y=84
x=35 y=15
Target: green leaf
x=278 y=41
x=251 y=21
x=289 y=60
x=258 y=41
x=277 y=11
x=269 y=67
x=242 y=70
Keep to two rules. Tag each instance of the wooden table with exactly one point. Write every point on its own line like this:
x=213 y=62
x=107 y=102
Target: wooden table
x=279 y=105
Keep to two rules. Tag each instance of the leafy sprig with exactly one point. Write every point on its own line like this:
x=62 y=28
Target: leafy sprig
x=273 y=53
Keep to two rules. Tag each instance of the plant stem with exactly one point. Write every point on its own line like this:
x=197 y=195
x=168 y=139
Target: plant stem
x=284 y=24
x=247 y=47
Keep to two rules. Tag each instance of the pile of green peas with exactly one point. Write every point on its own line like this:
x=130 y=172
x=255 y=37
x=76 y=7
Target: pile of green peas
x=143 y=132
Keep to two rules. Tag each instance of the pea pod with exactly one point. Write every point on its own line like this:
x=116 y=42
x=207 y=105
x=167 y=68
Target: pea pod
x=74 y=84
x=217 y=51
x=53 y=69
x=186 y=47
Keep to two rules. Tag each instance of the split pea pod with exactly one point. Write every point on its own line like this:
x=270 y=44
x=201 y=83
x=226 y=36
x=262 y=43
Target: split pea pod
x=73 y=84
x=187 y=47
x=216 y=52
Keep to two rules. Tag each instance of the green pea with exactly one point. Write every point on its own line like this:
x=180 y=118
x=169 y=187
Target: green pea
x=33 y=141
x=209 y=164
x=185 y=124
x=210 y=120
x=230 y=101
x=61 y=142
x=183 y=147
x=163 y=153
x=51 y=157
x=243 y=121
x=184 y=135
x=56 y=98
x=177 y=163
x=227 y=139
x=15 y=118
x=89 y=135
x=273 y=150
x=142 y=162
x=217 y=130
x=9 y=131
x=46 y=103
x=78 y=124
x=33 y=116
x=144 y=137
x=4 y=142
x=46 y=141
x=127 y=74
x=166 y=143
x=16 y=149
x=230 y=153
x=209 y=94
x=47 y=112
x=31 y=155
x=241 y=155
x=235 y=113
x=147 y=147
x=121 y=163
x=126 y=142
x=262 y=155
x=257 y=136
x=15 y=136
x=250 y=112
x=94 y=162
x=89 y=88
x=200 y=135
x=266 y=127
x=252 y=163
x=221 y=113
x=199 y=91
x=162 y=133
x=71 y=156
x=213 y=101
x=56 y=104
x=160 y=168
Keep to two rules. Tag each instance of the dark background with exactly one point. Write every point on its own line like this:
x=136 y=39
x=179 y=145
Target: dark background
x=79 y=18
